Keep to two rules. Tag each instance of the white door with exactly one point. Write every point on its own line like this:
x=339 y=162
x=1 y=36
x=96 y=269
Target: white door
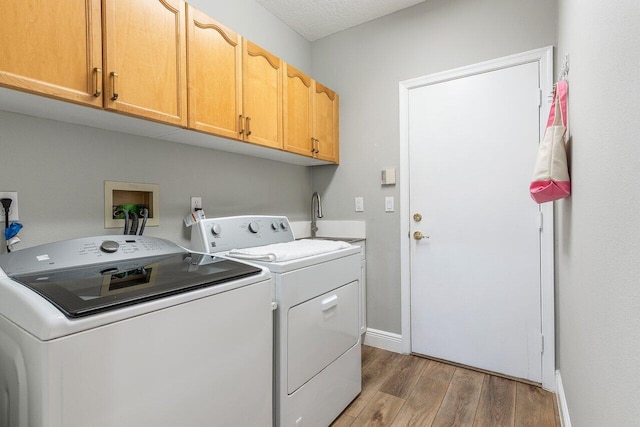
x=475 y=282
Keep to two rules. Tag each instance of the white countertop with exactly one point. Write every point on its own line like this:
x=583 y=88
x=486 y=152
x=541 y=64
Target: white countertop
x=333 y=229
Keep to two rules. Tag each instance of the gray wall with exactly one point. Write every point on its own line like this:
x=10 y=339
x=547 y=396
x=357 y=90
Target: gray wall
x=364 y=65
x=598 y=233
x=59 y=169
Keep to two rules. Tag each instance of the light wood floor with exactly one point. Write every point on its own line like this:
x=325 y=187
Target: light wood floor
x=402 y=390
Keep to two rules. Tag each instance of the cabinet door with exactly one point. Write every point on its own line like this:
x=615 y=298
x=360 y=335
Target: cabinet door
x=326 y=124
x=214 y=58
x=144 y=48
x=261 y=96
x=297 y=118
x=52 y=48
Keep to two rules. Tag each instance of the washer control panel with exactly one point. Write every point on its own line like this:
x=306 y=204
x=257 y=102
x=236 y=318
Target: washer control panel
x=85 y=251
x=238 y=232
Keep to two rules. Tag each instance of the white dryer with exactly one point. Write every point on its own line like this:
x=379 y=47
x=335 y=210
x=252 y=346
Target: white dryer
x=317 y=339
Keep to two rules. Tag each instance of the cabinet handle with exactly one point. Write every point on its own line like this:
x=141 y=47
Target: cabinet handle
x=316 y=145
x=114 y=88
x=240 y=125
x=313 y=146
x=248 y=120
x=97 y=81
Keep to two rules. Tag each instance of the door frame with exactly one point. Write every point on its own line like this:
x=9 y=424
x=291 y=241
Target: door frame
x=544 y=58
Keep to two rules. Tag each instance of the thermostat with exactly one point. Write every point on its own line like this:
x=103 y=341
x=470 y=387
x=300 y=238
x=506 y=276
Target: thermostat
x=388 y=177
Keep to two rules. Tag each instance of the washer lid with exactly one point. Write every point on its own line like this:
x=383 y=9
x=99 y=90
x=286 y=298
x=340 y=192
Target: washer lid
x=84 y=291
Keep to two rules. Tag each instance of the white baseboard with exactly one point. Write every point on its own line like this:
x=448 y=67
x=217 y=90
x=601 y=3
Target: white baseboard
x=563 y=409
x=384 y=340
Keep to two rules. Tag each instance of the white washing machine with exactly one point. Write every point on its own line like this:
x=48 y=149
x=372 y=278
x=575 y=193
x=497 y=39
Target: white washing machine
x=317 y=339
x=118 y=331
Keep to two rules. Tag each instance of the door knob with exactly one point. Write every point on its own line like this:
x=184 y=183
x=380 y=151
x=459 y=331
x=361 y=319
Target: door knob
x=417 y=217
x=419 y=236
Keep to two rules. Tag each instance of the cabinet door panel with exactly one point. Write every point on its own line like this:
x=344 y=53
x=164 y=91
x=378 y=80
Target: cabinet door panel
x=145 y=45
x=214 y=58
x=326 y=123
x=52 y=48
x=262 y=96
x=297 y=119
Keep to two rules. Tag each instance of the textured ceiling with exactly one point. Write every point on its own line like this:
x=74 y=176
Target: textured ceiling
x=314 y=19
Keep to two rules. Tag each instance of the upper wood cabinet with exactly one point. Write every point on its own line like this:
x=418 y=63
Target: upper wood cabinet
x=145 y=59
x=261 y=96
x=214 y=63
x=235 y=86
x=52 y=48
x=166 y=61
x=297 y=118
x=310 y=116
x=326 y=124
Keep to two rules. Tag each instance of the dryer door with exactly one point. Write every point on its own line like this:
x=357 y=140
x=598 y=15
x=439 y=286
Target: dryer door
x=320 y=331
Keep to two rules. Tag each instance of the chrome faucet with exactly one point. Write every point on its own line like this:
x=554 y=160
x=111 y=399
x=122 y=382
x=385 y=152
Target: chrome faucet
x=315 y=213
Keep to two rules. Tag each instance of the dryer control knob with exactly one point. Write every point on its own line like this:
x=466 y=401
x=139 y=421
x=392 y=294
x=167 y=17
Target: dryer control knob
x=109 y=246
x=216 y=229
x=254 y=227
x=274 y=225
x=283 y=225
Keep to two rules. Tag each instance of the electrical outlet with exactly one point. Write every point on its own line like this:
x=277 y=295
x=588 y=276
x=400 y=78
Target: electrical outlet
x=13 y=209
x=196 y=204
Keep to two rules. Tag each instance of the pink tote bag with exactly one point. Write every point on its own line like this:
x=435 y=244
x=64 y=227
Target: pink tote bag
x=551 y=174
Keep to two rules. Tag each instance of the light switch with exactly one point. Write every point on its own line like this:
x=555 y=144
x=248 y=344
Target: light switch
x=359 y=204
x=388 y=204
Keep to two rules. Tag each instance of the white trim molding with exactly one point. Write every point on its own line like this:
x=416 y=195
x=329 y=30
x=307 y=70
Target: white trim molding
x=384 y=340
x=563 y=409
x=544 y=58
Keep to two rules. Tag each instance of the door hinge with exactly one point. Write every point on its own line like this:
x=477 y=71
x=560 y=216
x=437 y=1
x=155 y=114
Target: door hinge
x=541 y=343
x=539 y=220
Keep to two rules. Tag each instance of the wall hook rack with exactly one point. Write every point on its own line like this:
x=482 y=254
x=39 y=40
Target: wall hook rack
x=564 y=70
